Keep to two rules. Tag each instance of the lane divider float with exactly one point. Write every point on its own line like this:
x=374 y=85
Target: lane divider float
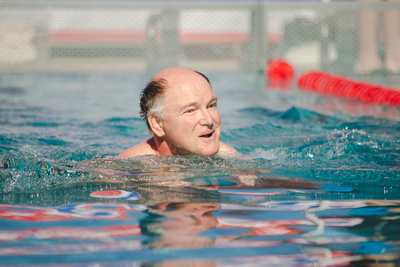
x=329 y=84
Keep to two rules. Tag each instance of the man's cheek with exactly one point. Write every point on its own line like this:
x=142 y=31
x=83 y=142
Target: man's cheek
x=188 y=123
x=217 y=117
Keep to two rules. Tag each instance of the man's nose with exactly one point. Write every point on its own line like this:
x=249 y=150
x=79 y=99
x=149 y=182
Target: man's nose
x=206 y=119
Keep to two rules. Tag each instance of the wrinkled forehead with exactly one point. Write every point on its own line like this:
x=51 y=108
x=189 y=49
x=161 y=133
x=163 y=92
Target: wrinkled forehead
x=188 y=93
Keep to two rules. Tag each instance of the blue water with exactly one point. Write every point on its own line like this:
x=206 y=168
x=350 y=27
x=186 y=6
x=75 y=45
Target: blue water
x=318 y=184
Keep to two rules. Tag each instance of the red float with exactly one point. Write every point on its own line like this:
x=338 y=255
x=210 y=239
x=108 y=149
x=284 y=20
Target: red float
x=325 y=83
x=279 y=70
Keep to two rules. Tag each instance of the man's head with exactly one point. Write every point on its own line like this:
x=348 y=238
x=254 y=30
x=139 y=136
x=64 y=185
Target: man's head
x=180 y=108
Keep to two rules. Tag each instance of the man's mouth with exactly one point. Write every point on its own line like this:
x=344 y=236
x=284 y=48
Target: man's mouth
x=207 y=135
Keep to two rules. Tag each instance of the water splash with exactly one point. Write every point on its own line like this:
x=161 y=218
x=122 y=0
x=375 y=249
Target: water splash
x=299 y=138
x=28 y=170
x=296 y=142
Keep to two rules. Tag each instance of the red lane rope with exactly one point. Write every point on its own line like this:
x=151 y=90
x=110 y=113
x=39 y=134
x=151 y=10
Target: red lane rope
x=329 y=84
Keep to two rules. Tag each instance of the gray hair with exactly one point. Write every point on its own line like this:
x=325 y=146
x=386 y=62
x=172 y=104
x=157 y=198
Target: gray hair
x=151 y=100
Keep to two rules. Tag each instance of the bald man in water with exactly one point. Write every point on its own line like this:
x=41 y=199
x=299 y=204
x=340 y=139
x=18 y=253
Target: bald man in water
x=180 y=109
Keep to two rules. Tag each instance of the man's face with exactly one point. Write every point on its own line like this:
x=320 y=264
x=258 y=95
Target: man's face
x=191 y=119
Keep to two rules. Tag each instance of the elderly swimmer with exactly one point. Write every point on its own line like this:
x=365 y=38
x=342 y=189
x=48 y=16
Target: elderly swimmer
x=180 y=109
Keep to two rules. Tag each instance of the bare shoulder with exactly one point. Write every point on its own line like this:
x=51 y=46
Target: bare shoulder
x=144 y=148
x=227 y=150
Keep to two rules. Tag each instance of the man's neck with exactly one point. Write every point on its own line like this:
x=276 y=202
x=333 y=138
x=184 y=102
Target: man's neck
x=161 y=147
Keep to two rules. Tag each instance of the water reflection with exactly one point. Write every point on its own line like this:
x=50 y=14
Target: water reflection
x=301 y=233
x=340 y=239
x=185 y=222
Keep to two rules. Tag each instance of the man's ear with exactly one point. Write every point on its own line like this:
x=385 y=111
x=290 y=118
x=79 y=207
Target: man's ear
x=156 y=125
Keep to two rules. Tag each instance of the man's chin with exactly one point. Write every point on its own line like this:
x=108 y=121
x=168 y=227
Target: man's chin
x=210 y=151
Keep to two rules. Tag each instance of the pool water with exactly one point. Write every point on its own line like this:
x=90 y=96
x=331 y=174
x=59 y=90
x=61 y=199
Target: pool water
x=318 y=184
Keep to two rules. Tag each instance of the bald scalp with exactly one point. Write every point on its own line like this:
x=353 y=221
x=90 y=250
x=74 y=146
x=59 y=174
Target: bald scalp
x=173 y=74
x=176 y=73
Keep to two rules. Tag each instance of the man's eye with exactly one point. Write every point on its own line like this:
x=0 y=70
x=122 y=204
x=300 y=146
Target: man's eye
x=189 y=111
x=213 y=105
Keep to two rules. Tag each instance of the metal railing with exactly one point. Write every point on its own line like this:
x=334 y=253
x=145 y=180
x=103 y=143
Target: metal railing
x=78 y=36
